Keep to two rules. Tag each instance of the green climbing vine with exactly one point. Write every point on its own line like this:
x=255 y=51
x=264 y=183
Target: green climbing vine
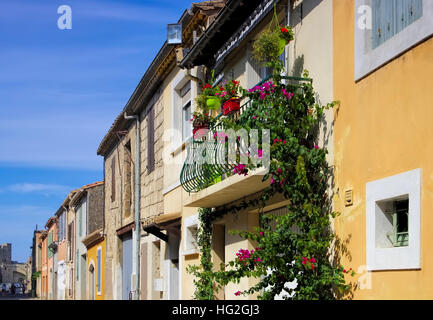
x=292 y=255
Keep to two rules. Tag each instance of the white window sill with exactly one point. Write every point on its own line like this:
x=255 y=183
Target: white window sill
x=189 y=252
x=180 y=148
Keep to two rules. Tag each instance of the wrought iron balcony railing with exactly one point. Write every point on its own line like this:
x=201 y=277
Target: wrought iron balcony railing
x=205 y=166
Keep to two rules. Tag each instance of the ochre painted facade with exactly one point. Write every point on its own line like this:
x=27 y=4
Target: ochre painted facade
x=92 y=260
x=382 y=128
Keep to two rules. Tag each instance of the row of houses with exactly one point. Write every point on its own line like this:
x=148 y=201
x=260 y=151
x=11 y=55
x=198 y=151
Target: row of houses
x=133 y=235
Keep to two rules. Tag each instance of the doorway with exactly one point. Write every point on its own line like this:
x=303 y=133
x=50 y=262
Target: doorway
x=173 y=263
x=126 y=265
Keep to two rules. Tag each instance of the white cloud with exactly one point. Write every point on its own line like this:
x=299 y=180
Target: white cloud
x=40 y=188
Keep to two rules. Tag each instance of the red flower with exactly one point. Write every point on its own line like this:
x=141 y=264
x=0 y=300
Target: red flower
x=235 y=82
x=233 y=92
x=284 y=30
x=207 y=86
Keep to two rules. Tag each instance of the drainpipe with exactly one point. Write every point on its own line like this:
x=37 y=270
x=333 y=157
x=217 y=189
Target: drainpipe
x=137 y=205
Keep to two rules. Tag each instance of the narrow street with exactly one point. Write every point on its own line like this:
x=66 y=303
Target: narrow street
x=16 y=297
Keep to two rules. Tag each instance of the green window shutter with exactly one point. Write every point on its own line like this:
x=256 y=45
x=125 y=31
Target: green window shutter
x=400 y=221
x=50 y=240
x=392 y=16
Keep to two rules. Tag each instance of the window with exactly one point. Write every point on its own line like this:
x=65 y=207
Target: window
x=268 y=218
x=151 y=140
x=393 y=210
x=392 y=218
x=50 y=241
x=80 y=221
x=62 y=226
x=396 y=26
x=127 y=194
x=190 y=235
x=185 y=94
x=113 y=179
x=400 y=219
x=70 y=241
x=392 y=16
x=98 y=270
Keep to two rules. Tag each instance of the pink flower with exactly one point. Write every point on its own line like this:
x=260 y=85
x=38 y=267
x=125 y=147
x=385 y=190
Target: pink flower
x=238 y=293
x=304 y=260
x=254 y=117
x=287 y=94
x=240 y=169
x=316 y=147
x=313 y=260
x=260 y=153
x=261 y=233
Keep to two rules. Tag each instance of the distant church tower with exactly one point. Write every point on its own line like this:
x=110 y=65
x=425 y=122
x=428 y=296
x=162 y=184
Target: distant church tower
x=6 y=253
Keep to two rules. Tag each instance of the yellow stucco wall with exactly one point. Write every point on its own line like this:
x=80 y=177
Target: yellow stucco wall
x=92 y=259
x=382 y=128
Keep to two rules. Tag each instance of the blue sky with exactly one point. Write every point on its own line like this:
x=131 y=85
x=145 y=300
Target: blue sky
x=60 y=91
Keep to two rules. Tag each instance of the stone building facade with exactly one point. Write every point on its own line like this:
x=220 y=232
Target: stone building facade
x=11 y=271
x=152 y=102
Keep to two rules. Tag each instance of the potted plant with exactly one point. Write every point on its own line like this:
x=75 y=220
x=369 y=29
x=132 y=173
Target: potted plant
x=229 y=94
x=208 y=98
x=270 y=43
x=201 y=120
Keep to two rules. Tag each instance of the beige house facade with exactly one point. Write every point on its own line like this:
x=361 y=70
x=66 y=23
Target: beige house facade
x=144 y=263
x=311 y=50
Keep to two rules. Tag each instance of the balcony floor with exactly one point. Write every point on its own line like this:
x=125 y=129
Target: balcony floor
x=228 y=190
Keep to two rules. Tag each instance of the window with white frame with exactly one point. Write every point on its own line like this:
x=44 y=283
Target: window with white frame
x=393 y=215
x=185 y=94
x=385 y=29
x=182 y=107
x=190 y=235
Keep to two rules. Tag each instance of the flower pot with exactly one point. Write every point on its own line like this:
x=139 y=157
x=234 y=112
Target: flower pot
x=281 y=45
x=213 y=103
x=198 y=126
x=231 y=105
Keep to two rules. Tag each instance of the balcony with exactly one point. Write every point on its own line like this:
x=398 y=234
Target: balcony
x=212 y=183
